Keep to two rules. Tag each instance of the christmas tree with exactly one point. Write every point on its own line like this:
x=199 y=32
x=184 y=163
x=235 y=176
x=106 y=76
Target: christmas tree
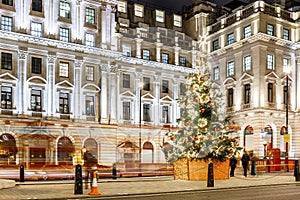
x=204 y=132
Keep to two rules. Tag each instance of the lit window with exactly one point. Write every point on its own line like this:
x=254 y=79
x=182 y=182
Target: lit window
x=230 y=68
x=165 y=58
x=64 y=103
x=165 y=86
x=63 y=69
x=37 y=5
x=89 y=106
x=138 y=10
x=285 y=63
x=270 y=62
x=90 y=39
x=6 y=97
x=160 y=16
x=6 y=61
x=122 y=6
x=215 y=45
x=182 y=61
x=126 y=49
x=247 y=63
x=6 y=23
x=230 y=38
x=89 y=73
x=64 y=34
x=36 y=99
x=247 y=31
x=216 y=73
x=270 y=29
x=36 y=29
x=126 y=110
x=146 y=83
x=90 y=15
x=230 y=97
x=165 y=114
x=286 y=34
x=36 y=65
x=146 y=54
x=177 y=20
x=64 y=9
x=247 y=94
x=126 y=81
x=8 y=2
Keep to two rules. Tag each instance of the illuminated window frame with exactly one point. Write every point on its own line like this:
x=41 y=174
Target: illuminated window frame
x=230 y=68
x=90 y=15
x=89 y=73
x=216 y=73
x=270 y=29
x=36 y=29
x=64 y=69
x=247 y=63
x=6 y=23
x=122 y=6
x=247 y=31
x=138 y=10
x=64 y=34
x=270 y=62
x=90 y=39
x=177 y=20
x=64 y=9
x=160 y=16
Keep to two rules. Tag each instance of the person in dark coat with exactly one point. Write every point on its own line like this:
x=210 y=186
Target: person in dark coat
x=233 y=162
x=245 y=162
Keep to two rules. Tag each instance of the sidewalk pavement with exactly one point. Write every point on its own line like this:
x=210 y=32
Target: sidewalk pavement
x=137 y=185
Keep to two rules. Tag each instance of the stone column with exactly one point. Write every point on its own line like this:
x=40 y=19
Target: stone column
x=156 y=105
x=78 y=20
x=158 y=52
x=51 y=86
x=137 y=103
x=174 y=103
x=138 y=47
x=113 y=94
x=22 y=77
x=104 y=94
x=177 y=49
x=77 y=89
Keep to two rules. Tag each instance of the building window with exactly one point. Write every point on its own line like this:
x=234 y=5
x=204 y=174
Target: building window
x=165 y=86
x=6 y=97
x=90 y=15
x=270 y=92
x=165 y=114
x=126 y=80
x=160 y=16
x=215 y=45
x=6 y=61
x=64 y=34
x=36 y=100
x=270 y=29
x=8 y=2
x=177 y=20
x=89 y=106
x=216 y=73
x=138 y=10
x=285 y=95
x=36 y=29
x=230 y=68
x=230 y=97
x=165 y=58
x=36 y=65
x=286 y=34
x=230 y=38
x=146 y=83
x=270 y=62
x=247 y=63
x=90 y=39
x=89 y=73
x=182 y=89
x=37 y=5
x=6 y=23
x=247 y=31
x=146 y=112
x=126 y=110
x=146 y=54
x=182 y=61
x=64 y=103
x=285 y=63
x=126 y=49
x=64 y=9
x=122 y=6
x=247 y=94
x=64 y=69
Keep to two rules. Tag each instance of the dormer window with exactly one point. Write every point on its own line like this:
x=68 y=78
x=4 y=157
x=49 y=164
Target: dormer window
x=138 y=10
x=122 y=6
x=177 y=20
x=160 y=16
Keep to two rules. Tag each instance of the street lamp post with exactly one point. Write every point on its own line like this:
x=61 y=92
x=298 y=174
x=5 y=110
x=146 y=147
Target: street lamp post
x=287 y=71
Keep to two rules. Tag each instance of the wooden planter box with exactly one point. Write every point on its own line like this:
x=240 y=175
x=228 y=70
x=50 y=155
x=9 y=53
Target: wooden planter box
x=195 y=170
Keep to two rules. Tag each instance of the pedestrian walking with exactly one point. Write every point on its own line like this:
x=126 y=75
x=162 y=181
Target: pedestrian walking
x=245 y=162
x=233 y=162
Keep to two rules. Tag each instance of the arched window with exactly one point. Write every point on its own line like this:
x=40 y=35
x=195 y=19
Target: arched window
x=269 y=136
x=147 y=153
x=65 y=150
x=8 y=147
x=248 y=138
x=282 y=143
x=91 y=145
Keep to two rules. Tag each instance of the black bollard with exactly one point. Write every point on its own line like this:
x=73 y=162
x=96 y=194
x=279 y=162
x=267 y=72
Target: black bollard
x=210 y=177
x=253 y=167
x=78 y=180
x=114 y=171
x=22 y=173
x=296 y=170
